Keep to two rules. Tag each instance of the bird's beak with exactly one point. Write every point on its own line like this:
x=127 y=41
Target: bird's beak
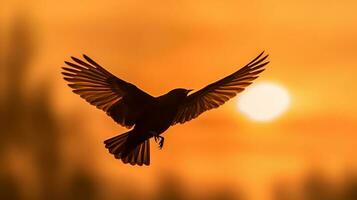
x=188 y=91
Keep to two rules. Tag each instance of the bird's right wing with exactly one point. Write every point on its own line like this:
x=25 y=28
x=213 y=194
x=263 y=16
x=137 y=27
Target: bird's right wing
x=220 y=91
x=121 y=100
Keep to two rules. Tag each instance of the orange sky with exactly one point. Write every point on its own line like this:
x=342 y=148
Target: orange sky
x=168 y=44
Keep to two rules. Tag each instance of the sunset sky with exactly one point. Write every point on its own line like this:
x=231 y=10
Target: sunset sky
x=168 y=44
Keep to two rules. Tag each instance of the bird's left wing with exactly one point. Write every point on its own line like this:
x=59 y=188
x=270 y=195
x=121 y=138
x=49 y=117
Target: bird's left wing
x=121 y=100
x=220 y=91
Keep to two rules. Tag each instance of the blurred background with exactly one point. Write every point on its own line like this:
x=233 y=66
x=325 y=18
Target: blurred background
x=51 y=141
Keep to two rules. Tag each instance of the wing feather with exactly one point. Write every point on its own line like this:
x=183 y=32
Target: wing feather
x=121 y=100
x=219 y=92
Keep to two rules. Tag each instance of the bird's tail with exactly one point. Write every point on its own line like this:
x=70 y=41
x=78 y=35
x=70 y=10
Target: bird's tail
x=129 y=152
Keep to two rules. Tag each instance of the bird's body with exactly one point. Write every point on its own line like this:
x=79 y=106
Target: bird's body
x=159 y=117
x=149 y=116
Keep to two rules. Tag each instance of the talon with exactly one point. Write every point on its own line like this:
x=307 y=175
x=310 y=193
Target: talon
x=158 y=139
x=161 y=143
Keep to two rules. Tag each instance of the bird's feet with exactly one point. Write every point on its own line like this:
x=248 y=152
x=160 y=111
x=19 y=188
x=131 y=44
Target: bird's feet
x=160 y=140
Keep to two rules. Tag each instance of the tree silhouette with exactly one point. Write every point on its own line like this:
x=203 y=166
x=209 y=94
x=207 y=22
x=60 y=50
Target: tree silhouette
x=316 y=186
x=29 y=124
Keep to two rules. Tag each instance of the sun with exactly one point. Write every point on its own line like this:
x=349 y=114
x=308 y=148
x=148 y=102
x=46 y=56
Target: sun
x=264 y=101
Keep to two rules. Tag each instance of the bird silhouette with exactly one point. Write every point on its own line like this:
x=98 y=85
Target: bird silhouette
x=150 y=116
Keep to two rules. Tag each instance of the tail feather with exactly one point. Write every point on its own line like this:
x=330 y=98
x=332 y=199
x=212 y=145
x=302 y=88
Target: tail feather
x=138 y=154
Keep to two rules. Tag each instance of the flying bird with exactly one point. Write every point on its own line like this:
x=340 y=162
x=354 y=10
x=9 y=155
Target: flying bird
x=150 y=116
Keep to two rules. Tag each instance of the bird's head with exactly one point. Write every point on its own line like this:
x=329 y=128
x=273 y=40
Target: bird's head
x=180 y=92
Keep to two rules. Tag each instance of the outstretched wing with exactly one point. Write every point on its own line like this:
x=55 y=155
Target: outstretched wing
x=121 y=100
x=220 y=91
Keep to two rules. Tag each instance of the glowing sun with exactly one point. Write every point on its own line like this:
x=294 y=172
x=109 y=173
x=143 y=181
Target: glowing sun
x=264 y=101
